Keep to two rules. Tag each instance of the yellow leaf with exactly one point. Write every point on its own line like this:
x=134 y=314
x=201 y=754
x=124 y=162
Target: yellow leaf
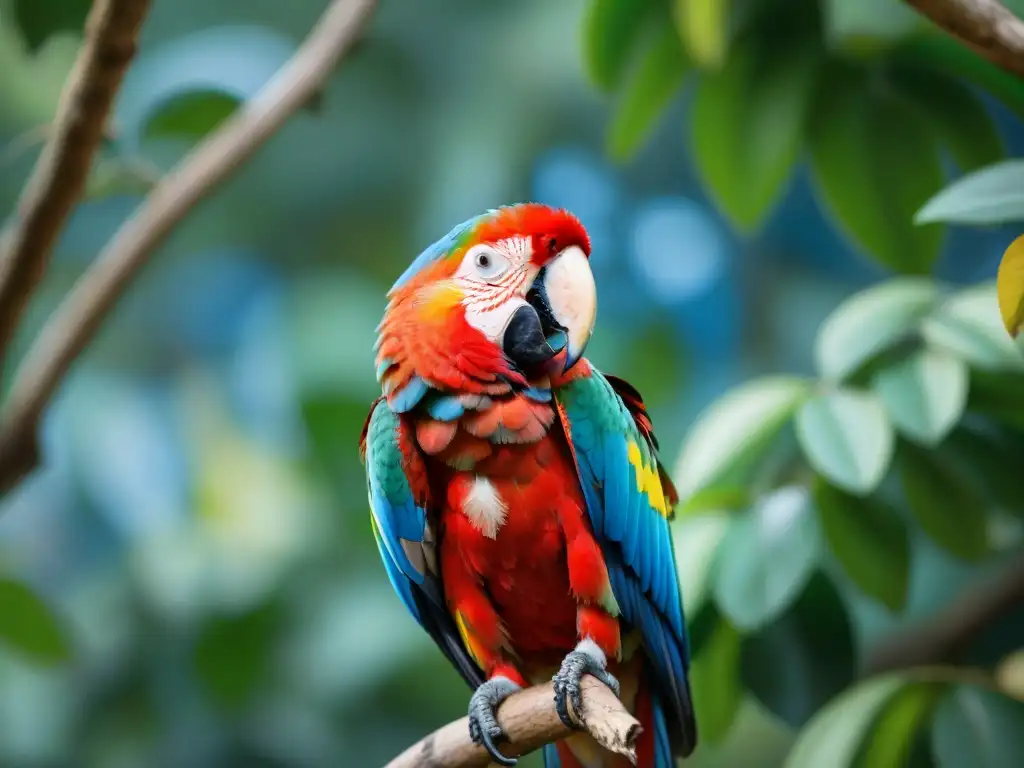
x=1010 y=287
x=704 y=28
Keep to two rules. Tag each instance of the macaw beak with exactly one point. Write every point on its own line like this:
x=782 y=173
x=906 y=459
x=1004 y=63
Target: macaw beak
x=558 y=319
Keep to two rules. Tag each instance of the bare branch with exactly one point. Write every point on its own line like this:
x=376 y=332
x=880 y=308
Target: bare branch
x=60 y=174
x=946 y=636
x=77 y=319
x=986 y=26
x=530 y=720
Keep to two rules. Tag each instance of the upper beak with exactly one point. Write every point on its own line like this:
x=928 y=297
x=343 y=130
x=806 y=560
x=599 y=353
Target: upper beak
x=558 y=320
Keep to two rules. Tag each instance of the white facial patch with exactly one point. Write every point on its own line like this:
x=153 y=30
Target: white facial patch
x=484 y=507
x=492 y=297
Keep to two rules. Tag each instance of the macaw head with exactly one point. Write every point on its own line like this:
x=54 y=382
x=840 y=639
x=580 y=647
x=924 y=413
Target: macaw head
x=505 y=299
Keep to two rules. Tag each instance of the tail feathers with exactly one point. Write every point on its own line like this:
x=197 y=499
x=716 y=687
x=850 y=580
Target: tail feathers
x=653 y=748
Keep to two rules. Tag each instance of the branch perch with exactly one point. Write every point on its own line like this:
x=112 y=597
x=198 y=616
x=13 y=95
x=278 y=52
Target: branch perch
x=60 y=174
x=530 y=720
x=78 y=318
x=986 y=26
x=947 y=635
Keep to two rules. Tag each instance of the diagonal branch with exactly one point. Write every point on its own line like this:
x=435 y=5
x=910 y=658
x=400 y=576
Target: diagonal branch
x=945 y=636
x=77 y=319
x=60 y=174
x=530 y=720
x=986 y=26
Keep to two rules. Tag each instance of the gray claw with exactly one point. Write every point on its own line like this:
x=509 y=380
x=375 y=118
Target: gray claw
x=567 y=683
x=483 y=725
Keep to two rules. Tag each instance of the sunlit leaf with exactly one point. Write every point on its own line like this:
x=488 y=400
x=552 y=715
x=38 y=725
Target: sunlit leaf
x=925 y=394
x=874 y=161
x=835 y=735
x=897 y=726
x=870 y=321
x=990 y=195
x=766 y=558
x=715 y=680
x=747 y=126
x=39 y=19
x=804 y=657
x=847 y=437
x=659 y=76
x=611 y=34
x=978 y=727
x=734 y=426
x=869 y=540
x=1010 y=287
x=958 y=117
x=943 y=503
x=863 y=24
x=704 y=27
x=233 y=655
x=969 y=326
x=29 y=626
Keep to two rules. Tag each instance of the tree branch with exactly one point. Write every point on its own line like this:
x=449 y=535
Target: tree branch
x=62 y=170
x=530 y=720
x=947 y=635
x=79 y=316
x=986 y=26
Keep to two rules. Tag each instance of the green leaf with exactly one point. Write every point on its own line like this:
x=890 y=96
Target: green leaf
x=997 y=395
x=835 y=735
x=715 y=679
x=957 y=116
x=696 y=541
x=39 y=19
x=611 y=33
x=191 y=115
x=942 y=53
x=233 y=655
x=716 y=499
x=869 y=322
x=804 y=658
x=658 y=78
x=869 y=539
x=847 y=437
x=735 y=426
x=943 y=503
x=747 y=126
x=28 y=626
x=892 y=738
x=979 y=728
x=991 y=195
x=704 y=26
x=873 y=162
x=925 y=395
x=993 y=463
x=863 y=25
x=969 y=326
x=766 y=558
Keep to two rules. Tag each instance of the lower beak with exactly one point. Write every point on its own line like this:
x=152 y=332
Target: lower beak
x=568 y=286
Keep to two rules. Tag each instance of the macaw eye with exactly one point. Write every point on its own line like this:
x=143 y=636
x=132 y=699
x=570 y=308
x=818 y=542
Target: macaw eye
x=489 y=264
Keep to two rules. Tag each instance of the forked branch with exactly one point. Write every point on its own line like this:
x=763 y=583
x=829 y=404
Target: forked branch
x=987 y=26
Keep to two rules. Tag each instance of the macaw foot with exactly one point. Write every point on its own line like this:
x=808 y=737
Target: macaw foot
x=586 y=659
x=483 y=725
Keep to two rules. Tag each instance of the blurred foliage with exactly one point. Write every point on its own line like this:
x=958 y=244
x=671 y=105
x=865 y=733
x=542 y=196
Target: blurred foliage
x=191 y=579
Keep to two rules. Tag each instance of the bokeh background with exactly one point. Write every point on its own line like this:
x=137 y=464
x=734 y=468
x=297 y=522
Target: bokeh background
x=199 y=527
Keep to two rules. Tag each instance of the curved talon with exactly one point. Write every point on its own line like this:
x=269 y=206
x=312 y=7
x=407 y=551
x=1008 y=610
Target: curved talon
x=484 y=728
x=567 y=684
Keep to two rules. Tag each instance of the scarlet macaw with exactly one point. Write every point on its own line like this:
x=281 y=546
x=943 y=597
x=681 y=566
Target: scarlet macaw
x=516 y=494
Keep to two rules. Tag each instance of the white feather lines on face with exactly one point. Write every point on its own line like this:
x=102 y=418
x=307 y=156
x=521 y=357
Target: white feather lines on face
x=495 y=290
x=484 y=507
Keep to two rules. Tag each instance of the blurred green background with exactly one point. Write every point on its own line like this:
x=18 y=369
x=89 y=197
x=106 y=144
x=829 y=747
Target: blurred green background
x=190 y=579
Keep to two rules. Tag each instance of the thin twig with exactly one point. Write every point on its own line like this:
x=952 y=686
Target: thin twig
x=60 y=174
x=530 y=720
x=77 y=319
x=986 y=26
x=946 y=636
